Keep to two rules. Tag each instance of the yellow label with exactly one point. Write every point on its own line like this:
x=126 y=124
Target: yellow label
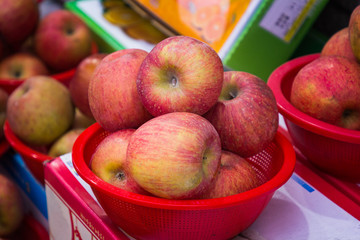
x=211 y=21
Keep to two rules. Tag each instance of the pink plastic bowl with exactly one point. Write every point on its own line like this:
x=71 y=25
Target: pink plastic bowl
x=145 y=217
x=332 y=149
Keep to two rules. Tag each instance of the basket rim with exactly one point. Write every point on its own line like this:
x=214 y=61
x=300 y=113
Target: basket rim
x=22 y=148
x=296 y=116
x=98 y=184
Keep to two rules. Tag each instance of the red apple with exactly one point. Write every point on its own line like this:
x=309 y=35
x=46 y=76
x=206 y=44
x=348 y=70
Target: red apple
x=328 y=89
x=18 y=20
x=79 y=84
x=339 y=45
x=62 y=40
x=108 y=161
x=20 y=66
x=40 y=110
x=246 y=115
x=175 y=155
x=235 y=176
x=64 y=143
x=180 y=74
x=113 y=97
x=12 y=208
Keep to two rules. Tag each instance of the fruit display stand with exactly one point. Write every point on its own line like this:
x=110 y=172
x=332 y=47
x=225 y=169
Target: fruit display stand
x=261 y=37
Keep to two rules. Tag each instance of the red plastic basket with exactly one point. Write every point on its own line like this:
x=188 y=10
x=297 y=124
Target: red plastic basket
x=9 y=85
x=145 y=217
x=33 y=159
x=332 y=149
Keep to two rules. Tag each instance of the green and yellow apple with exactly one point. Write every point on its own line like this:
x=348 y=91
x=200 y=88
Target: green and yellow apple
x=20 y=66
x=113 y=97
x=18 y=20
x=108 y=161
x=235 y=175
x=40 y=110
x=180 y=74
x=65 y=143
x=62 y=40
x=328 y=89
x=246 y=114
x=81 y=120
x=175 y=155
x=12 y=208
x=79 y=84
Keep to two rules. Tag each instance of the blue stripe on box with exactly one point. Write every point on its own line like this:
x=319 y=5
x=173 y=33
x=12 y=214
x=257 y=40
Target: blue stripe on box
x=302 y=183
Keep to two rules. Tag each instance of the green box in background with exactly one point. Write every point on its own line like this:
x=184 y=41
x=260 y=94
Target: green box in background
x=268 y=36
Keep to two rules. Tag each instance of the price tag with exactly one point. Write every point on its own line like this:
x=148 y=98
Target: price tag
x=285 y=17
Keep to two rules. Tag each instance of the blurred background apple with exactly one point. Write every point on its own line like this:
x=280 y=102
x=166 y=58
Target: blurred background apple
x=12 y=208
x=62 y=40
x=40 y=110
x=21 y=66
x=79 y=83
x=18 y=20
x=65 y=143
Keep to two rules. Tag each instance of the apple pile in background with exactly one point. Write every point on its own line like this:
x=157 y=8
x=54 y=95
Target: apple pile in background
x=31 y=46
x=328 y=88
x=48 y=116
x=179 y=126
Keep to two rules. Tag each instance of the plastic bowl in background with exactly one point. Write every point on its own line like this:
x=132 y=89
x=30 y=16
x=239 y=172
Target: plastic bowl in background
x=9 y=85
x=33 y=159
x=332 y=149
x=145 y=217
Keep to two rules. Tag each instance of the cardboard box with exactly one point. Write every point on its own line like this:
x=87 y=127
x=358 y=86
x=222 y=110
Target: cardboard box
x=33 y=191
x=73 y=210
x=256 y=36
x=298 y=210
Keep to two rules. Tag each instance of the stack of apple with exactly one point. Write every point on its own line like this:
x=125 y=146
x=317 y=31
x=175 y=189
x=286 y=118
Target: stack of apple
x=48 y=116
x=32 y=46
x=328 y=88
x=179 y=126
